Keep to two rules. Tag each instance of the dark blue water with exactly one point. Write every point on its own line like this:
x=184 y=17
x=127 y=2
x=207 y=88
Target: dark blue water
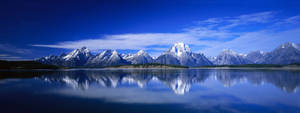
x=150 y=91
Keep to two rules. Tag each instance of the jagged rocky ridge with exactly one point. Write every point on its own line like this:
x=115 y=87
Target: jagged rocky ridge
x=284 y=54
x=178 y=54
x=140 y=57
x=106 y=58
x=229 y=57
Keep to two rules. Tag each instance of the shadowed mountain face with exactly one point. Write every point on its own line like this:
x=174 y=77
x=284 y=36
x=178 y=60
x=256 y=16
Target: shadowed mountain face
x=179 y=81
x=284 y=54
x=229 y=57
x=256 y=57
x=167 y=59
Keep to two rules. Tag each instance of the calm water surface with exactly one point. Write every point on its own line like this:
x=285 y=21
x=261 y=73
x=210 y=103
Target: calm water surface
x=150 y=91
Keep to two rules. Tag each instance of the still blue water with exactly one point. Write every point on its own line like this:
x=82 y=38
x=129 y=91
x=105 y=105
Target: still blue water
x=150 y=91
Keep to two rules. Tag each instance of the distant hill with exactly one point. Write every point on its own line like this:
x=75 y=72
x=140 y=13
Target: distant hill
x=25 y=65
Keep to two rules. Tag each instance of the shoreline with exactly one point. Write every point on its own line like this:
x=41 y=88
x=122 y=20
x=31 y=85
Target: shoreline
x=272 y=68
x=248 y=68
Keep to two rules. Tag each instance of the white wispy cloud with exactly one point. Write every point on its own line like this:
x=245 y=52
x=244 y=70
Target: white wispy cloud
x=205 y=32
x=11 y=52
x=293 y=20
x=124 y=41
x=13 y=49
x=213 y=33
x=9 y=57
x=4 y=55
x=230 y=22
x=261 y=40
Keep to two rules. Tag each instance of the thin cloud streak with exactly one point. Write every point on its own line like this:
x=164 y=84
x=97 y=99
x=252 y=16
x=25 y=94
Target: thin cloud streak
x=13 y=49
x=4 y=55
x=130 y=41
x=213 y=33
x=230 y=22
x=10 y=57
x=262 y=40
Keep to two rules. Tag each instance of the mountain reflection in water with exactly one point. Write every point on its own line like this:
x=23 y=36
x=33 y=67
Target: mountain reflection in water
x=150 y=91
x=178 y=80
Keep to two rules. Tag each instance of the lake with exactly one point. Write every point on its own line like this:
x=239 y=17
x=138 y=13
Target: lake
x=150 y=91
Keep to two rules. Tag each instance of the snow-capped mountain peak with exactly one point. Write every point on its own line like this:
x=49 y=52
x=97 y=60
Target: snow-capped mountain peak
x=114 y=52
x=286 y=53
x=179 y=48
x=229 y=57
x=83 y=52
x=289 y=44
x=141 y=52
x=115 y=55
x=141 y=57
x=105 y=53
x=107 y=58
x=108 y=54
x=181 y=54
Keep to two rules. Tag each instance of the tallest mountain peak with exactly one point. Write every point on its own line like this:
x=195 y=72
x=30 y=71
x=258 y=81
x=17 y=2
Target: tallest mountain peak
x=181 y=45
x=179 y=48
x=181 y=54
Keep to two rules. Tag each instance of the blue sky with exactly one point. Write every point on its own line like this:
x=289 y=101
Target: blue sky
x=31 y=29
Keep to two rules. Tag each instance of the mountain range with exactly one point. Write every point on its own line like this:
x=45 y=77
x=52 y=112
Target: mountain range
x=178 y=54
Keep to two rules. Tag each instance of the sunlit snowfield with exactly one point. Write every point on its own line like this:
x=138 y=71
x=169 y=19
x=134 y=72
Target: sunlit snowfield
x=150 y=91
